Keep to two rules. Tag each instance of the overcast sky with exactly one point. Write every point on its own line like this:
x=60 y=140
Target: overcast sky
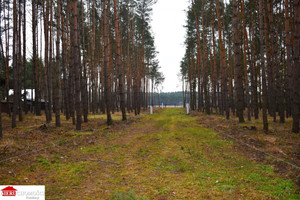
x=167 y=24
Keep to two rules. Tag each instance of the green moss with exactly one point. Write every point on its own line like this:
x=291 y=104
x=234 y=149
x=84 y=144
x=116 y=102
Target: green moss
x=226 y=187
x=103 y=116
x=71 y=174
x=205 y=162
x=266 y=168
x=165 y=155
x=56 y=156
x=80 y=133
x=112 y=148
x=163 y=191
x=19 y=127
x=97 y=148
x=143 y=152
x=43 y=161
x=125 y=196
x=279 y=187
x=62 y=141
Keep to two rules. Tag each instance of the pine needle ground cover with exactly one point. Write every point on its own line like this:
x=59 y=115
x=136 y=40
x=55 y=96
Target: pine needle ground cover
x=167 y=155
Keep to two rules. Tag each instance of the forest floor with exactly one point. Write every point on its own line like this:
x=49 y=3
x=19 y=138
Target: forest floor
x=167 y=155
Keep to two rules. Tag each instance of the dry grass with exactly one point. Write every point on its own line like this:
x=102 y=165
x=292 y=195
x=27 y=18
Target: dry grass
x=279 y=141
x=167 y=155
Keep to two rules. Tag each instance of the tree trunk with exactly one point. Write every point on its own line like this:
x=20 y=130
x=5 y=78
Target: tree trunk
x=276 y=56
x=134 y=72
x=231 y=75
x=24 y=57
x=70 y=58
x=238 y=66
x=268 y=46
x=50 y=65
x=84 y=95
x=106 y=6
x=245 y=55
x=214 y=69
x=15 y=64
x=92 y=60
x=183 y=96
x=158 y=98
x=289 y=59
x=1 y=136
x=46 y=16
x=64 y=66
x=205 y=64
x=223 y=67
x=19 y=91
x=129 y=71
x=7 y=44
x=199 y=60
x=34 y=59
x=253 y=71
x=76 y=62
x=57 y=71
x=262 y=59
x=152 y=93
x=119 y=63
x=296 y=70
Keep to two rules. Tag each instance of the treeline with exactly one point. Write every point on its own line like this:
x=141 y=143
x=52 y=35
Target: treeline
x=167 y=99
x=84 y=56
x=243 y=57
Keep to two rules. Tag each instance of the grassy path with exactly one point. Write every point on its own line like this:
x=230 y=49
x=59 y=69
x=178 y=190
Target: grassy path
x=167 y=155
